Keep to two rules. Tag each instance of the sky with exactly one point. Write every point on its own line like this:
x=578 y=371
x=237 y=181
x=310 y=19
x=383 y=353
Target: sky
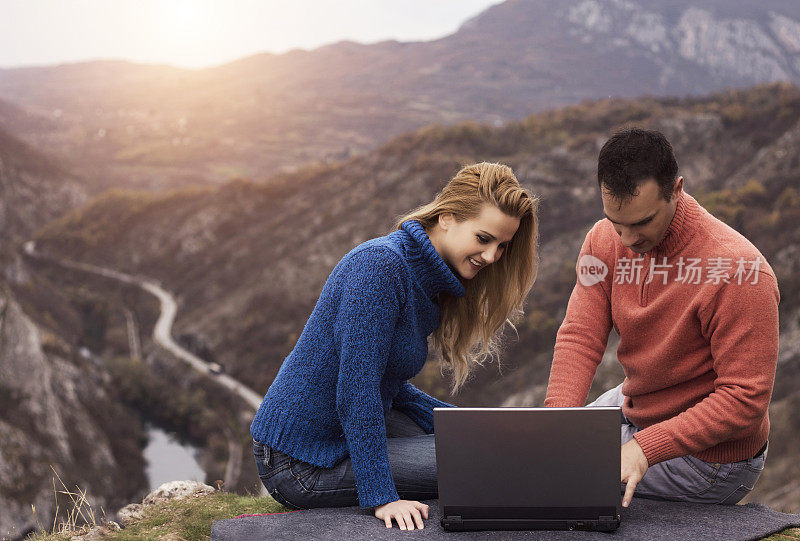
x=203 y=33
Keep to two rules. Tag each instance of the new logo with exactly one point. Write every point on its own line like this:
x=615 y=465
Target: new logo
x=591 y=270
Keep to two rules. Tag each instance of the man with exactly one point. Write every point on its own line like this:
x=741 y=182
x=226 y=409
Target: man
x=696 y=307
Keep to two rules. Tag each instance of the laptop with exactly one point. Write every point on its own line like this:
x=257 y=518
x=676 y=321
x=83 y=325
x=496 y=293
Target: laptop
x=528 y=468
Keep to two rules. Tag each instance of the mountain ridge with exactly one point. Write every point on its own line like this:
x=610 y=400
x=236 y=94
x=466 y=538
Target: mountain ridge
x=154 y=126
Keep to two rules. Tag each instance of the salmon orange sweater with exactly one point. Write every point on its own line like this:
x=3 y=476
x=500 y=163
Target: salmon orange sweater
x=697 y=318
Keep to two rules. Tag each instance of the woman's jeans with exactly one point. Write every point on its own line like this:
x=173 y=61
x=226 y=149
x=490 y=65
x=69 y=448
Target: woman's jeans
x=687 y=478
x=297 y=484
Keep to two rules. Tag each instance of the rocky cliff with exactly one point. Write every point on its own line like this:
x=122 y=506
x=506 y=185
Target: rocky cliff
x=58 y=416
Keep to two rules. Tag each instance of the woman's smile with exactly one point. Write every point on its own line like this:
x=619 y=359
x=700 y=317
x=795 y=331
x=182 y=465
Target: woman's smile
x=474 y=264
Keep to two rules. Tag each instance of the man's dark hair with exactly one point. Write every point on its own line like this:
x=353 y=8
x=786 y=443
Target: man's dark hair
x=632 y=156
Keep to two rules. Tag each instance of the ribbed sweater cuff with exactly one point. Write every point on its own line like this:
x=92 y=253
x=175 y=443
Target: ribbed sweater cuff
x=657 y=444
x=562 y=402
x=429 y=402
x=374 y=499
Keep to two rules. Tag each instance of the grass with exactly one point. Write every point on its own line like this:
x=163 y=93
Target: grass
x=791 y=533
x=189 y=519
x=80 y=509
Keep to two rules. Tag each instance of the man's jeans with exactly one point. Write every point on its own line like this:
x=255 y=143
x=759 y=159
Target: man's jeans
x=687 y=478
x=294 y=483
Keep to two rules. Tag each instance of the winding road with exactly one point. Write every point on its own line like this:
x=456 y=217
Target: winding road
x=162 y=335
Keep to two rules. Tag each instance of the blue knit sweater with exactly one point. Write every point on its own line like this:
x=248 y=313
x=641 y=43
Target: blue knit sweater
x=366 y=336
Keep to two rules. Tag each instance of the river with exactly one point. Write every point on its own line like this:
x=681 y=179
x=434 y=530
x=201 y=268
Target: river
x=168 y=460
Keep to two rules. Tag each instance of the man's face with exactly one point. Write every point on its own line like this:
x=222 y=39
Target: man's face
x=643 y=220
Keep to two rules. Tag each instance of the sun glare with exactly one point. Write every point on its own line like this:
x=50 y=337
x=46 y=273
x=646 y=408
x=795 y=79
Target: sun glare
x=186 y=30
x=183 y=15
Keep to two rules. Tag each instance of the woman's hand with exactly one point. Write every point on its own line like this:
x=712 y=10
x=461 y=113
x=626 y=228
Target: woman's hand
x=403 y=511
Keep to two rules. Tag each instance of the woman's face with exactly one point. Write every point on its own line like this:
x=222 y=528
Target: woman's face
x=471 y=245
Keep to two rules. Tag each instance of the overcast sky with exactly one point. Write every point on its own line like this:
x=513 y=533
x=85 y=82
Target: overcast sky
x=201 y=33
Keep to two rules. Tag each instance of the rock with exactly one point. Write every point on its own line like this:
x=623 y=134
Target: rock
x=178 y=490
x=48 y=416
x=97 y=533
x=130 y=513
x=174 y=490
x=100 y=532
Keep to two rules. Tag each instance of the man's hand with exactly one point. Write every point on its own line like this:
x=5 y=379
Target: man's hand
x=634 y=466
x=403 y=511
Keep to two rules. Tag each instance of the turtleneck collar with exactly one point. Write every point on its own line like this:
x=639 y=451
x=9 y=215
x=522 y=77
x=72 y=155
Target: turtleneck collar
x=682 y=226
x=429 y=268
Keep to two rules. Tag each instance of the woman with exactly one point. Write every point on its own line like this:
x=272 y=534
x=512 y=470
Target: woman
x=341 y=425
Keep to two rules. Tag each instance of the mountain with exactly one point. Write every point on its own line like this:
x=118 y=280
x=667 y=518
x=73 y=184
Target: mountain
x=248 y=260
x=34 y=188
x=156 y=127
x=57 y=407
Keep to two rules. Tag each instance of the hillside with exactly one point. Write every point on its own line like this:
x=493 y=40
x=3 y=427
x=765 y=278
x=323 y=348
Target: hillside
x=232 y=254
x=56 y=407
x=34 y=188
x=127 y=125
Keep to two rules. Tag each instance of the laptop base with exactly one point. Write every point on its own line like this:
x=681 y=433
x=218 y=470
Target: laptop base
x=464 y=518
x=457 y=524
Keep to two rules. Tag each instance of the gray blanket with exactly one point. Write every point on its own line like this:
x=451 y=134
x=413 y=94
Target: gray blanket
x=644 y=519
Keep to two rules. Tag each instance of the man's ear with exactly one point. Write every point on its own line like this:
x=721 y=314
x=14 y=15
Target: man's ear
x=678 y=188
x=446 y=220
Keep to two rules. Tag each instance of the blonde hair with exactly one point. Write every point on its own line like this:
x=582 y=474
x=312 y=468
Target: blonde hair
x=471 y=326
